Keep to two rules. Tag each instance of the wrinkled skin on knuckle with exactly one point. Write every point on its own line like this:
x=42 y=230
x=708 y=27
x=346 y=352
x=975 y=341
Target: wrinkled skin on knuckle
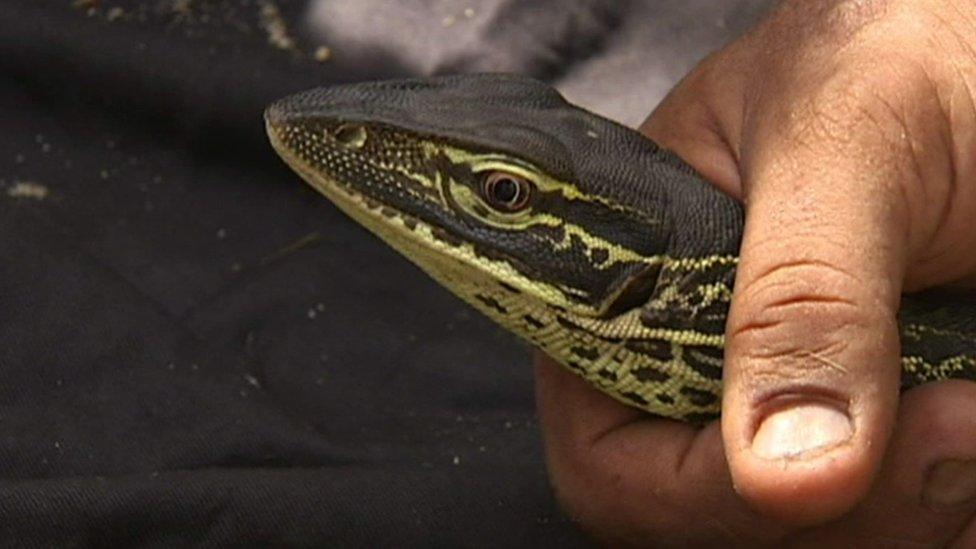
x=802 y=321
x=819 y=363
x=795 y=289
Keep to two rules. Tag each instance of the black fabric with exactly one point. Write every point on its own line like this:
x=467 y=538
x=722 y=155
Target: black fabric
x=197 y=348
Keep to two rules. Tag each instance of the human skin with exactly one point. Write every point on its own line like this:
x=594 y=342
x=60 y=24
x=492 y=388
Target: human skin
x=848 y=128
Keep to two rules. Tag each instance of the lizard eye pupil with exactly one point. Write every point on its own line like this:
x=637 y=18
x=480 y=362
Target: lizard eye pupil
x=506 y=192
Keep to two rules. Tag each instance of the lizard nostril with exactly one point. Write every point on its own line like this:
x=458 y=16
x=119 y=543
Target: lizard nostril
x=351 y=135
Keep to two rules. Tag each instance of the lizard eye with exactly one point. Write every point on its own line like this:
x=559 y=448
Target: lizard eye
x=506 y=192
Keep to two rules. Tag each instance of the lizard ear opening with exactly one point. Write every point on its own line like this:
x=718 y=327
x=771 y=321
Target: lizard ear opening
x=633 y=292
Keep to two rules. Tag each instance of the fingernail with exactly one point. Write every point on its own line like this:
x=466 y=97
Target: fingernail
x=950 y=483
x=798 y=429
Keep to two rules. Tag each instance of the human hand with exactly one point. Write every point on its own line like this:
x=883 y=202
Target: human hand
x=848 y=127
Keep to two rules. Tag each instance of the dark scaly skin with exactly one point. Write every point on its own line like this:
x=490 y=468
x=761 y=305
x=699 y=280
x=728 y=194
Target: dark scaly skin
x=623 y=264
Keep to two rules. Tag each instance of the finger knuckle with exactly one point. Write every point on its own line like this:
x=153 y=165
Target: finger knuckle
x=798 y=320
x=947 y=417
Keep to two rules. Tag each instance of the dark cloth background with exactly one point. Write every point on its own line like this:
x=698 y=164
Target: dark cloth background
x=197 y=348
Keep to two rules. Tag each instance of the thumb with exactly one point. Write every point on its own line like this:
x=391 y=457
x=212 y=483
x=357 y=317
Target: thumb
x=812 y=351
